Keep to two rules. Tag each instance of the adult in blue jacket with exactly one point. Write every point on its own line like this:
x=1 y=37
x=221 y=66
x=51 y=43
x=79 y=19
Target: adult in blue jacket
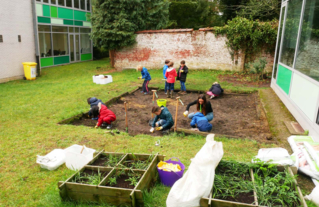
x=146 y=76
x=201 y=121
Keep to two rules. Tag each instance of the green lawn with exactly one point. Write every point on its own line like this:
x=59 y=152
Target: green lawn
x=30 y=111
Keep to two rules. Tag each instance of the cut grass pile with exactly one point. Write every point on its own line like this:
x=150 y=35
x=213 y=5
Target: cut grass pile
x=30 y=111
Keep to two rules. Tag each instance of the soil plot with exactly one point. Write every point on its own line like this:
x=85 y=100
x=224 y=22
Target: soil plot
x=92 y=177
x=234 y=114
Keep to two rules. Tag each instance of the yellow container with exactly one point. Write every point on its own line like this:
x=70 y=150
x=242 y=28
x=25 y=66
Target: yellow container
x=30 y=70
x=161 y=102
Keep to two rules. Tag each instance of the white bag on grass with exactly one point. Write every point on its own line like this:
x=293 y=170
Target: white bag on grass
x=199 y=178
x=314 y=196
x=77 y=156
x=278 y=156
x=52 y=160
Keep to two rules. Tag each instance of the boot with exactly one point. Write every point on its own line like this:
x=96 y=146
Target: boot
x=168 y=94
x=172 y=93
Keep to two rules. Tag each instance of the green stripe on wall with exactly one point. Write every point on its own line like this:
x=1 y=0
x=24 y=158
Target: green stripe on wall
x=86 y=57
x=79 y=15
x=46 y=10
x=284 y=78
x=44 y=20
x=65 y=13
x=68 y=22
x=61 y=60
x=44 y=62
x=88 y=16
x=54 y=11
x=78 y=23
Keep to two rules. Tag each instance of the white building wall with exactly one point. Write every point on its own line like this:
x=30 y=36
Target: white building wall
x=15 y=19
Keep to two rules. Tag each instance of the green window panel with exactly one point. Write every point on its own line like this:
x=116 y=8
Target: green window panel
x=88 y=17
x=68 y=22
x=44 y=62
x=86 y=57
x=46 y=10
x=39 y=9
x=284 y=78
x=65 y=13
x=54 y=11
x=44 y=20
x=78 y=23
x=79 y=15
x=61 y=60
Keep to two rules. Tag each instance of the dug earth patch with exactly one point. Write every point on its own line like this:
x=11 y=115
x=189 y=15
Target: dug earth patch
x=235 y=115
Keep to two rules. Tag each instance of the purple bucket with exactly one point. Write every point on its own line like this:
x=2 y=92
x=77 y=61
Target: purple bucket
x=169 y=178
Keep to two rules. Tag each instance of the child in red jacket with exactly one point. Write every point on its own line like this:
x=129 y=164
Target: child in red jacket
x=170 y=75
x=105 y=115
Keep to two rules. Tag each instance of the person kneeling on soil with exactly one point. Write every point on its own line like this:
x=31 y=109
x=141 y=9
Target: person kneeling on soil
x=166 y=120
x=215 y=90
x=105 y=116
x=92 y=101
x=203 y=106
x=201 y=121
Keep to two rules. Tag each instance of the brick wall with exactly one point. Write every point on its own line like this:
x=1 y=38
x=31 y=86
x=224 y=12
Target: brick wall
x=15 y=19
x=200 y=49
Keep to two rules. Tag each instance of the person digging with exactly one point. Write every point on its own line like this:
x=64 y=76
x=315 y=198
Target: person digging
x=105 y=116
x=166 y=120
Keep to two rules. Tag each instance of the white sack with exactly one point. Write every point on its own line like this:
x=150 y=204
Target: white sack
x=199 y=178
x=52 y=160
x=278 y=156
x=314 y=196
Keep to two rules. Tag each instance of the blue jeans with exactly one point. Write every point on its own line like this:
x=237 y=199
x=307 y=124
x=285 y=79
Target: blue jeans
x=166 y=86
x=183 y=87
x=170 y=86
x=209 y=116
x=160 y=122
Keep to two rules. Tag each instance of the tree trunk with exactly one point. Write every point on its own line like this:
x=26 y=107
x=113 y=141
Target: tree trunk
x=111 y=54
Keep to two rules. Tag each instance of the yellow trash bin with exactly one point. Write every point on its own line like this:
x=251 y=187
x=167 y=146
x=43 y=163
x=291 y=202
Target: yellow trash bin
x=30 y=70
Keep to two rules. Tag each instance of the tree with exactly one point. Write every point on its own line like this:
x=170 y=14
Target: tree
x=264 y=10
x=114 y=22
x=229 y=8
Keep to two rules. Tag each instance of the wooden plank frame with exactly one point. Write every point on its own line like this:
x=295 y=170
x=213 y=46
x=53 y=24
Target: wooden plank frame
x=210 y=202
x=112 y=195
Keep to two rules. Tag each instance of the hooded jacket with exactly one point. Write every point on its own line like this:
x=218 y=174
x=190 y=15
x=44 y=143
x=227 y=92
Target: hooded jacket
x=170 y=75
x=201 y=121
x=216 y=89
x=94 y=101
x=165 y=115
x=145 y=74
x=104 y=112
x=182 y=76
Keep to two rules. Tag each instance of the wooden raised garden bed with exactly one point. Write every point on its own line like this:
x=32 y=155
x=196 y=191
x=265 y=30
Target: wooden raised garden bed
x=112 y=178
x=235 y=186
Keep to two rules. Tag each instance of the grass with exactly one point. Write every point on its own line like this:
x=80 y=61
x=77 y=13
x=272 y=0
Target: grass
x=30 y=111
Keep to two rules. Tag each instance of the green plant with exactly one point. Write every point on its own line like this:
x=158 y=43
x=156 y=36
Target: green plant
x=112 y=181
x=82 y=177
x=257 y=67
x=113 y=160
x=133 y=178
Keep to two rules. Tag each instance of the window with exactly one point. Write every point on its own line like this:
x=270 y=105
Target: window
x=1 y=38
x=53 y=1
x=88 y=5
x=85 y=30
x=279 y=40
x=85 y=44
x=45 y=1
x=39 y=0
x=60 y=44
x=82 y=4
x=45 y=44
x=76 y=4
x=44 y=28
x=19 y=38
x=59 y=29
x=307 y=60
x=61 y=2
x=76 y=29
x=71 y=29
x=290 y=33
x=69 y=3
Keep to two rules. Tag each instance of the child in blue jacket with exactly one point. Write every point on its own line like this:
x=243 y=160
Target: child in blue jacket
x=146 y=76
x=201 y=121
x=164 y=72
x=92 y=101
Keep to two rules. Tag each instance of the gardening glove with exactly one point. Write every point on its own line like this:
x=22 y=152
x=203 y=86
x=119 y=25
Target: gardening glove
x=140 y=77
x=96 y=127
x=182 y=71
x=185 y=113
x=152 y=130
x=159 y=128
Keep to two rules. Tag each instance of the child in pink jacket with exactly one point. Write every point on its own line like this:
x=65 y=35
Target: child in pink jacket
x=170 y=75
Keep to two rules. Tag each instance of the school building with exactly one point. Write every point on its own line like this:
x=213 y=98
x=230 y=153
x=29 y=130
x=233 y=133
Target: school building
x=49 y=32
x=296 y=67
